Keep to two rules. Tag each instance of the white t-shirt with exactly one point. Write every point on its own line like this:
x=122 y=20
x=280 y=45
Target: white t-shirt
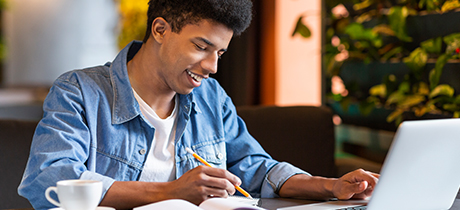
x=160 y=165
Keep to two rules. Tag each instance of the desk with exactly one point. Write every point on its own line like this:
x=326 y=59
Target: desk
x=275 y=203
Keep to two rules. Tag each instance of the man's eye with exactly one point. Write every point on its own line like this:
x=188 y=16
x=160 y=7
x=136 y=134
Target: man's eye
x=199 y=47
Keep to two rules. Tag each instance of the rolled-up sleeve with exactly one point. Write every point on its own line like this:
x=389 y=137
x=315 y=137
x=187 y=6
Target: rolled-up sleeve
x=276 y=177
x=106 y=181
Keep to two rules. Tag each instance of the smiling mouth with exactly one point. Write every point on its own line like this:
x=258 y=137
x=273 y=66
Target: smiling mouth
x=195 y=76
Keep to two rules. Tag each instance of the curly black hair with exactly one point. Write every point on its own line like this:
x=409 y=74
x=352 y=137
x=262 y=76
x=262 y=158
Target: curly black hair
x=235 y=14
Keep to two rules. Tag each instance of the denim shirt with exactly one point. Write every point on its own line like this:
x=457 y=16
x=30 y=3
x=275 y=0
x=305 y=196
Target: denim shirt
x=92 y=128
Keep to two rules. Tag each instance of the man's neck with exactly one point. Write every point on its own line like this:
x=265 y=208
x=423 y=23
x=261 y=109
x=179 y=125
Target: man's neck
x=141 y=72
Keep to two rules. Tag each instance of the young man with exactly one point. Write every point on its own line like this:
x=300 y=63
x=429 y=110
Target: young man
x=127 y=123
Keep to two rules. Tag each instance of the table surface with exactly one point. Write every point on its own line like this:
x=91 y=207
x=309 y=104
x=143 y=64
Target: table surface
x=275 y=203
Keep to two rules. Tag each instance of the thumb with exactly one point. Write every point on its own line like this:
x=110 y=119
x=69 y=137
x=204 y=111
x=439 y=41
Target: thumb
x=361 y=186
x=352 y=189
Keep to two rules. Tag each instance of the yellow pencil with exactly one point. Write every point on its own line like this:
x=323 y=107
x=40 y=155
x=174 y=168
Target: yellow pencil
x=207 y=164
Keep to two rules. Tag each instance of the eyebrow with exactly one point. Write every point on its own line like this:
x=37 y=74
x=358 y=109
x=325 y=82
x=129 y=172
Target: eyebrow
x=210 y=43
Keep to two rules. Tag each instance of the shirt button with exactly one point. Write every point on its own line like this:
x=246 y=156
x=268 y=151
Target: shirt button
x=142 y=151
x=220 y=156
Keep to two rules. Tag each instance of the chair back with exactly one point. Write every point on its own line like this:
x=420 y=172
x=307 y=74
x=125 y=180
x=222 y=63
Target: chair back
x=300 y=135
x=16 y=137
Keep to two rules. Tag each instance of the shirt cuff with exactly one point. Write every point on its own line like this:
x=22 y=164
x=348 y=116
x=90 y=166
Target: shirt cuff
x=280 y=173
x=106 y=181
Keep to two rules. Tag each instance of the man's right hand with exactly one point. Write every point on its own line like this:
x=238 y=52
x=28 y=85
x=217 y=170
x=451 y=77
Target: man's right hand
x=196 y=185
x=202 y=183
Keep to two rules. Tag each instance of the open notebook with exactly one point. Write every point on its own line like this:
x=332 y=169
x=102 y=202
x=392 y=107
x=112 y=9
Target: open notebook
x=421 y=170
x=230 y=203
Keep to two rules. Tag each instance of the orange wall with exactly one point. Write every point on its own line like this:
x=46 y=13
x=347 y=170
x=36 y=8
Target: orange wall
x=291 y=66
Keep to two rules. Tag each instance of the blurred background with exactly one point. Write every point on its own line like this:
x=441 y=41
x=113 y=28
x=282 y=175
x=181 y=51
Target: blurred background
x=41 y=39
x=374 y=63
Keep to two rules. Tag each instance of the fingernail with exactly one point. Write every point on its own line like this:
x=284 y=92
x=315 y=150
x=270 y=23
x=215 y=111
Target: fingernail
x=238 y=182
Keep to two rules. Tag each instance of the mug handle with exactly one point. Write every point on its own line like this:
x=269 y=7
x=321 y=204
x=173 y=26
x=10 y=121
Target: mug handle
x=48 y=197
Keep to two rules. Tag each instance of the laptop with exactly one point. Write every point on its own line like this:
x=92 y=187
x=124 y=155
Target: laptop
x=421 y=170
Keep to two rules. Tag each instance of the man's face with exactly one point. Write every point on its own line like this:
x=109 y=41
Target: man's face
x=191 y=55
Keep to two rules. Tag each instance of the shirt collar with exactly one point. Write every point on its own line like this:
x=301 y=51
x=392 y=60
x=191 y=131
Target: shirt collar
x=125 y=105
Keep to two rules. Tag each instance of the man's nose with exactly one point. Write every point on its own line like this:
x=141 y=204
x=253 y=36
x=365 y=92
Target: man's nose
x=210 y=63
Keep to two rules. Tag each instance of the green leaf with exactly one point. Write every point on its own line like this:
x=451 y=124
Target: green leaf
x=301 y=28
x=395 y=97
x=391 y=53
x=362 y=5
x=435 y=74
x=457 y=99
x=449 y=39
x=442 y=90
x=395 y=114
x=421 y=3
x=456 y=114
x=420 y=111
x=416 y=61
x=357 y=31
x=378 y=90
x=431 y=5
x=383 y=29
x=397 y=19
x=451 y=107
x=374 y=99
x=411 y=100
x=404 y=87
x=432 y=45
x=453 y=43
x=423 y=89
x=450 y=5
x=337 y=97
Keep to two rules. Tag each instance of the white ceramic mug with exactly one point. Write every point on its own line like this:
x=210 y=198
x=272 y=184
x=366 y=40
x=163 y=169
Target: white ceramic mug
x=76 y=194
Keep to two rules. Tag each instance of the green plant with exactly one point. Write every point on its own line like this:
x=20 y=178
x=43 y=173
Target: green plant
x=415 y=95
x=3 y=6
x=376 y=31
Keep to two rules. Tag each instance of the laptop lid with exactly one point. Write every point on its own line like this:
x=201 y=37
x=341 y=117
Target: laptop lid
x=421 y=169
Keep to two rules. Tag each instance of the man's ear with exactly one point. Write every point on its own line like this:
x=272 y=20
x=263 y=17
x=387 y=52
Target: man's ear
x=159 y=28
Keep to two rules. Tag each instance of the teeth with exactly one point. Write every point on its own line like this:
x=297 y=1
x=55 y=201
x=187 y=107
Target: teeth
x=194 y=76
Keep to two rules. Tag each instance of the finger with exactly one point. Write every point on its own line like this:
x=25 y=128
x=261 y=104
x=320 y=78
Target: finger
x=210 y=181
x=222 y=184
x=214 y=192
x=362 y=186
x=375 y=175
x=352 y=189
x=374 y=180
x=222 y=173
x=370 y=177
x=366 y=191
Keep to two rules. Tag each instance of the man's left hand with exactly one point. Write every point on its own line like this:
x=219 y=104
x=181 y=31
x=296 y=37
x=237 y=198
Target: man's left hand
x=357 y=184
